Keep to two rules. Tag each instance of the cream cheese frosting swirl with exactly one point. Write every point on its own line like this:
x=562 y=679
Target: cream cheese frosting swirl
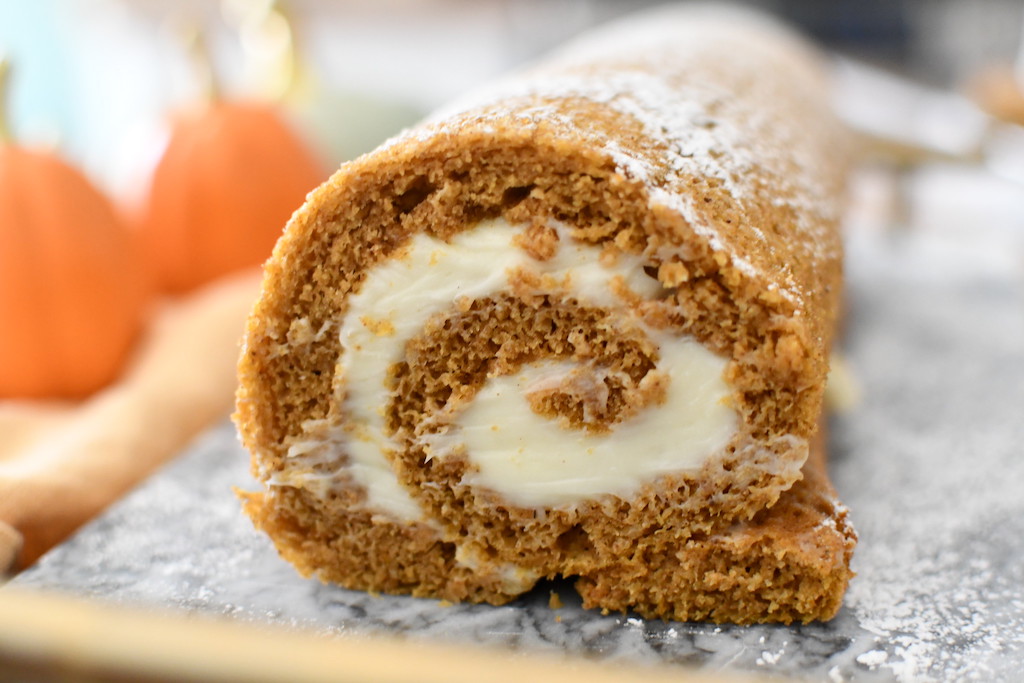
x=526 y=458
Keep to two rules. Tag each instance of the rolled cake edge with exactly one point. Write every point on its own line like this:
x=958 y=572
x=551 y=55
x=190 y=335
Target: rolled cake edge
x=327 y=555
x=397 y=191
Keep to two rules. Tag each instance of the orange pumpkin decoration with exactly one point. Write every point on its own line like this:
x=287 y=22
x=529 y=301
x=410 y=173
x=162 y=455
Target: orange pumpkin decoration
x=72 y=290
x=229 y=180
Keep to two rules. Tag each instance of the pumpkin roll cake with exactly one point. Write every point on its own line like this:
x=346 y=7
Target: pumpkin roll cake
x=576 y=325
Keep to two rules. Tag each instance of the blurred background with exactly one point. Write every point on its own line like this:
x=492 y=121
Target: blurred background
x=98 y=77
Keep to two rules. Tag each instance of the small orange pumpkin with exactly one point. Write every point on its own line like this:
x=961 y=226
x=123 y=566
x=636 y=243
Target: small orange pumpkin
x=230 y=178
x=73 y=292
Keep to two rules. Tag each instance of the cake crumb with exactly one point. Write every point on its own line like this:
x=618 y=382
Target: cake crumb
x=539 y=241
x=381 y=327
x=673 y=274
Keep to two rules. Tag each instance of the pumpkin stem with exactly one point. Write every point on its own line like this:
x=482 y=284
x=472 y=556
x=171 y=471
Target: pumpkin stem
x=202 y=62
x=279 y=22
x=268 y=40
x=5 y=71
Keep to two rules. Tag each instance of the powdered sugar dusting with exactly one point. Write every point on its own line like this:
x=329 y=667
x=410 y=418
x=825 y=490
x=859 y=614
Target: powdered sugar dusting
x=710 y=96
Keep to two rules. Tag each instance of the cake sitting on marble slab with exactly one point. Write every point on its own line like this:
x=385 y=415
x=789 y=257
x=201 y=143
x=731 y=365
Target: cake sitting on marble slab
x=576 y=325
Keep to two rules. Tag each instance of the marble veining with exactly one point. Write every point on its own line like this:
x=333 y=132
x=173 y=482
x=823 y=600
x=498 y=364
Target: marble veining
x=930 y=465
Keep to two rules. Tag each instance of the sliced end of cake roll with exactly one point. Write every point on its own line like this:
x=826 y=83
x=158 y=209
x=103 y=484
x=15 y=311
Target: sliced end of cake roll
x=574 y=326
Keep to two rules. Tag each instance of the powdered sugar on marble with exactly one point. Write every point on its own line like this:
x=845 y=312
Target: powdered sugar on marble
x=940 y=579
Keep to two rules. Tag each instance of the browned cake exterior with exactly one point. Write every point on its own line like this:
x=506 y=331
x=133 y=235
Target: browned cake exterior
x=702 y=157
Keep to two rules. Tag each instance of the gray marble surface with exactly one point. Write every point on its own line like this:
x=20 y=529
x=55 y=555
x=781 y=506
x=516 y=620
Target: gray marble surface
x=931 y=464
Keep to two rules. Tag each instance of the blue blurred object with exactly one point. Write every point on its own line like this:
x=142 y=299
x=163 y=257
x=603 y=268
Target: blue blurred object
x=41 y=108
